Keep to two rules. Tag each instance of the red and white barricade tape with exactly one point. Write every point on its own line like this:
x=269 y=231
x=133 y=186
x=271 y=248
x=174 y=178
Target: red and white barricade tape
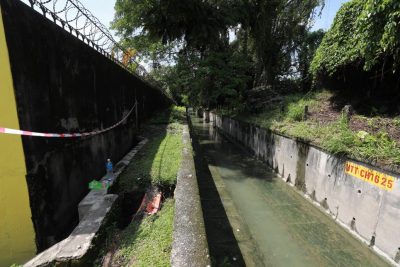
x=63 y=135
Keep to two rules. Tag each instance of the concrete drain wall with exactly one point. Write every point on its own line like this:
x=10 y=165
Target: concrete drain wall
x=94 y=212
x=189 y=247
x=369 y=211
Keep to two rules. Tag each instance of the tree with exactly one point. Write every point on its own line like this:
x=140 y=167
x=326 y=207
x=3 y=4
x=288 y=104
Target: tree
x=359 y=55
x=306 y=52
x=365 y=32
x=196 y=34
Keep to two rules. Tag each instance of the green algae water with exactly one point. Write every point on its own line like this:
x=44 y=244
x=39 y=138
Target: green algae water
x=272 y=223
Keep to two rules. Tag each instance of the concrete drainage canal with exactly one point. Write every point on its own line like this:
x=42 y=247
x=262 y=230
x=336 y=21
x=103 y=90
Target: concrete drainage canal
x=253 y=218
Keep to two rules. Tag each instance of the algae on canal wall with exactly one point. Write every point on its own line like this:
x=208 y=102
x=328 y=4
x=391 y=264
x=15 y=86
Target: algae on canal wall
x=369 y=209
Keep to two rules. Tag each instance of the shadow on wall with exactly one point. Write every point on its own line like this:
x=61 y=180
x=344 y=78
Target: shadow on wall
x=366 y=208
x=63 y=85
x=220 y=237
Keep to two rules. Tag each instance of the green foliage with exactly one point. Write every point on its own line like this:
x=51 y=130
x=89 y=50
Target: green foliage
x=276 y=30
x=363 y=32
x=378 y=146
x=291 y=110
x=148 y=242
x=306 y=52
x=174 y=114
x=198 y=23
x=216 y=78
x=211 y=71
x=295 y=106
x=396 y=121
x=335 y=137
x=337 y=47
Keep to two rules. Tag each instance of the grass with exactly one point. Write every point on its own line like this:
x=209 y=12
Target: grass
x=148 y=243
x=159 y=160
x=291 y=110
x=175 y=114
x=335 y=137
x=157 y=164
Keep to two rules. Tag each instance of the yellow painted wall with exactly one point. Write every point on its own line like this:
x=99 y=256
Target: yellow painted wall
x=17 y=236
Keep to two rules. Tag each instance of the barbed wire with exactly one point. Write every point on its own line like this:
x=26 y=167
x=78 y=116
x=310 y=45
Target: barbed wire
x=72 y=16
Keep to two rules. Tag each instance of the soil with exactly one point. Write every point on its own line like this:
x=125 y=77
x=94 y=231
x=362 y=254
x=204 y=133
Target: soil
x=328 y=111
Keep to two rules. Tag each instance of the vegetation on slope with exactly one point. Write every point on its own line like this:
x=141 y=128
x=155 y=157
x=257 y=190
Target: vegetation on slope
x=375 y=139
x=273 y=56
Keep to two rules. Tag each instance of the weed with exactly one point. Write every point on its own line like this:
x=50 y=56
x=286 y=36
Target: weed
x=157 y=164
x=396 y=121
x=159 y=160
x=335 y=137
x=148 y=242
x=295 y=105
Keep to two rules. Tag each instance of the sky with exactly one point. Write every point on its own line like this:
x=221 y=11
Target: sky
x=328 y=14
x=104 y=11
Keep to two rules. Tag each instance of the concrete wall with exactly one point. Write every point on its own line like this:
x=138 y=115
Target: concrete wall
x=17 y=237
x=322 y=177
x=63 y=85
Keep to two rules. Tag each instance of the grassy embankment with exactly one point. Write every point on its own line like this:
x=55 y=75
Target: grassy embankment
x=375 y=138
x=147 y=241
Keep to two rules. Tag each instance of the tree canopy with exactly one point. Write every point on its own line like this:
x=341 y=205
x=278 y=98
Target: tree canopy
x=219 y=48
x=364 y=32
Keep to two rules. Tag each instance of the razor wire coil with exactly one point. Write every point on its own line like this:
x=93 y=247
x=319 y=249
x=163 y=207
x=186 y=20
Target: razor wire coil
x=73 y=17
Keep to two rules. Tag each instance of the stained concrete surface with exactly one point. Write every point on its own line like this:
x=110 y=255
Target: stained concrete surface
x=61 y=84
x=271 y=222
x=93 y=211
x=372 y=213
x=189 y=247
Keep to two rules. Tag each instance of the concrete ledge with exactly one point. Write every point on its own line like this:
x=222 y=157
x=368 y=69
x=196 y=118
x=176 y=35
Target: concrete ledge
x=79 y=242
x=95 y=195
x=93 y=211
x=189 y=247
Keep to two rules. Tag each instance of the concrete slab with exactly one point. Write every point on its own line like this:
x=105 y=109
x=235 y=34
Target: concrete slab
x=78 y=243
x=189 y=247
x=93 y=210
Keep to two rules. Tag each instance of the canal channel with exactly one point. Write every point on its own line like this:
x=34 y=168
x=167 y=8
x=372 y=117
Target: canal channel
x=253 y=218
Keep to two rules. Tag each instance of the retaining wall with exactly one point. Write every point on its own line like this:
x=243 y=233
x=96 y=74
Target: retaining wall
x=61 y=85
x=189 y=247
x=368 y=211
